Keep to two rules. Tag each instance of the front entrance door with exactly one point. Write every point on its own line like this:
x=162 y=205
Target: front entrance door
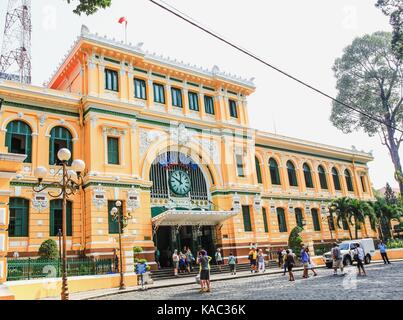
x=170 y=238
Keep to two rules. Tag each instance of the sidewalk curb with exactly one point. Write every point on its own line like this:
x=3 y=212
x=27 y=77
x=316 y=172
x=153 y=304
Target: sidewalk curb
x=191 y=281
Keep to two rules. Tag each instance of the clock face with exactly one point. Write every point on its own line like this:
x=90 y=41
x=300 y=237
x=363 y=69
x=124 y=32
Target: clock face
x=179 y=181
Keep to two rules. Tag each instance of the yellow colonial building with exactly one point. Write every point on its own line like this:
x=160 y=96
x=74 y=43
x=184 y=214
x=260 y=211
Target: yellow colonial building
x=173 y=143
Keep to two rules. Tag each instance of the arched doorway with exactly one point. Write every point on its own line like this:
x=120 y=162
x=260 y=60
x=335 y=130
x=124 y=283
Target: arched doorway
x=180 y=183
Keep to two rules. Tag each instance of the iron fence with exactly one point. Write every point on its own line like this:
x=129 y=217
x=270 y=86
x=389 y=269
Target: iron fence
x=28 y=269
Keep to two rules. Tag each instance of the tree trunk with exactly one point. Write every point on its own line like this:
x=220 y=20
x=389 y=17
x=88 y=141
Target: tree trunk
x=380 y=232
x=394 y=154
x=349 y=230
x=356 y=227
x=390 y=229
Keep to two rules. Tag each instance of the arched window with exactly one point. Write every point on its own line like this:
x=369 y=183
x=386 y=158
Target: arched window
x=315 y=219
x=307 y=176
x=349 y=181
x=60 y=138
x=282 y=224
x=292 y=174
x=322 y=178
x=336 y=180
x=56 y=217
x=299 y=218
x=19 y=217
x=258 y=171
x=19 y=139
x=274 y=172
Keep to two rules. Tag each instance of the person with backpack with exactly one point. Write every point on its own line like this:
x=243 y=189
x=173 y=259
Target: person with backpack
x=204 y=261
x=337 y=259
x=218 y=259
x=253 y=259
x=289 y=263
x=359 y=257
x=305 y=261
x=232 y=264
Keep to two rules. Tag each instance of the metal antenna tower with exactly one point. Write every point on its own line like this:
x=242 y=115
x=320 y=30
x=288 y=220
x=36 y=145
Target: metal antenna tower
x=15 y=59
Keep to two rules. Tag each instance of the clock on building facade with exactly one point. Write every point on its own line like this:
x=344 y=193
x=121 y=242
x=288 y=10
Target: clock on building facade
x=179 y=182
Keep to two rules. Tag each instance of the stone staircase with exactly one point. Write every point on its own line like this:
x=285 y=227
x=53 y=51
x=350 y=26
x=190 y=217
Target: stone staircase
x=168 y=273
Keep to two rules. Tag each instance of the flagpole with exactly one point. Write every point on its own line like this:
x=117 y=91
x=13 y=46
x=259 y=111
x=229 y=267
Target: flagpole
x=126 y=32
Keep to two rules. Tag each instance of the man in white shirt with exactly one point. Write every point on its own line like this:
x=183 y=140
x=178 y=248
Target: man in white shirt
x=359 y=256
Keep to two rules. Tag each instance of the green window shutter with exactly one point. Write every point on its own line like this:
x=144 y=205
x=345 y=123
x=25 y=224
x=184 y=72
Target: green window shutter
x=292 y=175
x=140 y=91
x=22 y=133
x=19 y=217
x=60 y=137
x=315 y=219
x=322 y=178
x=246 y=218
x=349 y=182
x=362 y=178
x=239 y=165
x=298 y=217
x=69 y=218
x=233 y=109
x=111 y=80
x=159 y=93
x=176 y=97
x=56 y=217
x=113 y=224
x=336 y=180
x=307 y=176
x=265 y=222
x=282 y=224
x=193 y=101
x=113 y=151
x=258 y=171
x=209 y=105
x=274 y=172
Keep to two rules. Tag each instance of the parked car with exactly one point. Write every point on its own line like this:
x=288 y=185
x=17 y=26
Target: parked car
x=346 y=249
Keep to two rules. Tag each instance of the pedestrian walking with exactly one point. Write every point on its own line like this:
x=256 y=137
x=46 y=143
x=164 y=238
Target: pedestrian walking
x=175 y=261
x=289 y=264
x=359 y=257
x=305 y=262
x=337 y=259
x=261 y=262
x=311 y=265
x=232 y=264
x=253 y=259
x=284 y=255
x=382 y=249
x=189 y=259
x=218 y=259
x=204 y=261
x=280 y=257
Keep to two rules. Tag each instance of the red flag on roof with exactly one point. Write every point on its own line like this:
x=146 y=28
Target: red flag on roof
x=123 y=19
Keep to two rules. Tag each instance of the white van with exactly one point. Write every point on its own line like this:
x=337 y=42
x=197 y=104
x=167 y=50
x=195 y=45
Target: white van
x=346 y=248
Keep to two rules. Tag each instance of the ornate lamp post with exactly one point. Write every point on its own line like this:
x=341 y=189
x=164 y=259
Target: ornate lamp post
x=72 y=181
x=122 y=220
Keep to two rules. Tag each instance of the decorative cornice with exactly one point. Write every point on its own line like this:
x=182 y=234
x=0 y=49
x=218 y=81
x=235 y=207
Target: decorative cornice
x=215 y=72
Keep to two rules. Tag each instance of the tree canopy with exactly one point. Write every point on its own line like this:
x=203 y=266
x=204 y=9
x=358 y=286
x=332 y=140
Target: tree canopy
x=394 y=10
x=89 y=7
x=370 y=77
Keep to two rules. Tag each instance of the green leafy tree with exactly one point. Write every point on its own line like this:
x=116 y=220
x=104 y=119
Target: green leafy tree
x=390 y=195
x=90 y=7
x=394 y=10
x=359 y=210
x=342 y=209
x=49 y=250
x=295 y=240
x=370 y=77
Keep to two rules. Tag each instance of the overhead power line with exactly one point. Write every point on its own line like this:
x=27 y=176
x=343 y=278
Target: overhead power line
x=198 y=25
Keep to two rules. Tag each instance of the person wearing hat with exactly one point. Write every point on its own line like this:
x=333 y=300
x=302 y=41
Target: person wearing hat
x=337 y=259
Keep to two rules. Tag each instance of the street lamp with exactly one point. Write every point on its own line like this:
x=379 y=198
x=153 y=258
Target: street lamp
x=122 y=220
x=72 y=181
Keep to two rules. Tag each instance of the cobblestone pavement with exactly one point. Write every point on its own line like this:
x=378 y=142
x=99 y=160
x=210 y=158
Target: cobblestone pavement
x=382 y=282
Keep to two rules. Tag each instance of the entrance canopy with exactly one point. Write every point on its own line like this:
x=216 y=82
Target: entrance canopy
x=191 y=218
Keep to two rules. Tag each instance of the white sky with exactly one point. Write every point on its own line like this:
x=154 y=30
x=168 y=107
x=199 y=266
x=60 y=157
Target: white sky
x=301 y=37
